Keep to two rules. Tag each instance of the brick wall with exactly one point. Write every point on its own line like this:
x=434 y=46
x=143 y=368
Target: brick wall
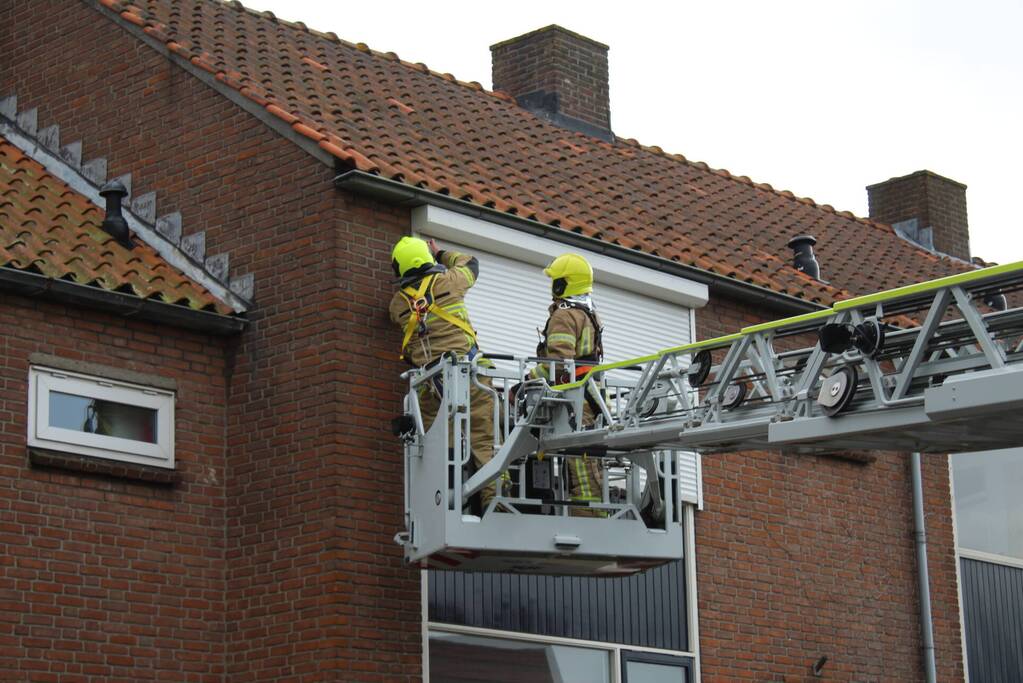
x=313 y=590
x=933 y=200
x=106 y=578
x=554 y=61
x=802 y=556
x=805 y=556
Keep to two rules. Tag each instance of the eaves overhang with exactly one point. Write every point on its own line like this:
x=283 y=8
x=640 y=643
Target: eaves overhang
x=394 y=192
x=33 y=285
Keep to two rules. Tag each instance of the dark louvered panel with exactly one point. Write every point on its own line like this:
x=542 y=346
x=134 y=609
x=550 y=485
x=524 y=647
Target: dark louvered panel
x=647 y=610
x=993 y=614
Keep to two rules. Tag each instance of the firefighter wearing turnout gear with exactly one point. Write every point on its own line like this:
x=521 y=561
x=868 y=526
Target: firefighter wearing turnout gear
x=573 y=331
x=429 y=309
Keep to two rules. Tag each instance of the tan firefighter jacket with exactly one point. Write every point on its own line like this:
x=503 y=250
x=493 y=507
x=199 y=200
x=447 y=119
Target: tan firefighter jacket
x=442 y=322
x=570 y=334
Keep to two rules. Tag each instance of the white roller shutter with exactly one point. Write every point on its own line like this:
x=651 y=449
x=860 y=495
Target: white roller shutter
x=690 y=478
x=509 y=303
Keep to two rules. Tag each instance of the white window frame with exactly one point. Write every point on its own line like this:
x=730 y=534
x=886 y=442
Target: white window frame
x=610 y=650
x=613 y=650
x=43 y=380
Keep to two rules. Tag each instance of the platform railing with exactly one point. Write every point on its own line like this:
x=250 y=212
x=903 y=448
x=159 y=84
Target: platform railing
x=631 y=482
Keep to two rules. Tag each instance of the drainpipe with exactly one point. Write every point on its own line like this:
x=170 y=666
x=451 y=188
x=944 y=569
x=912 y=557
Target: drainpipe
x=923 y=579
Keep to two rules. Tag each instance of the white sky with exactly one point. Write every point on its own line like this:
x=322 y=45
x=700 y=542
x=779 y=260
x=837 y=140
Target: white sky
x=820 y=98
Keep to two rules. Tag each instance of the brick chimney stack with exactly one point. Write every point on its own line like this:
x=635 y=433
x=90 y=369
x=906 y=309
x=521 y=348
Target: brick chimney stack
x=925 y=208
x=558 y=75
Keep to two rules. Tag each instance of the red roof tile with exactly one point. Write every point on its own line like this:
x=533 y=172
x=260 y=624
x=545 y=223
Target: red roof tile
x=48 y=228
x=382 y=115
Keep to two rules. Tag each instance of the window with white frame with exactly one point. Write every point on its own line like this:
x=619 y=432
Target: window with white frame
x=99 y=417
x=461 y=655
x=988 y=507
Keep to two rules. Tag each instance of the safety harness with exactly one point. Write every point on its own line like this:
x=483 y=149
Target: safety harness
x=421 y=305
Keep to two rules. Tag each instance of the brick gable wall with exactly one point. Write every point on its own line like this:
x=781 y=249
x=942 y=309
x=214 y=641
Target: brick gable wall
x=798 y=556
x=106 y=578
x=310 y=591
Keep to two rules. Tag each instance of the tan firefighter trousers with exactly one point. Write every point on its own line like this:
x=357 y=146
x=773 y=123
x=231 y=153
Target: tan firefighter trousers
x=585 y=476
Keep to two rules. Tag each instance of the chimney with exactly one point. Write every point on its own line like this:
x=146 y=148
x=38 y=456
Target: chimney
x=558 y=75
x=924 y=208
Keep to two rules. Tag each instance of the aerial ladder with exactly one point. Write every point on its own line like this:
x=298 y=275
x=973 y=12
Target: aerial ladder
x=935 y=367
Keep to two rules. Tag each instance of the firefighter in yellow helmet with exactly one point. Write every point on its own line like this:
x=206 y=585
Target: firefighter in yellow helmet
x=573 y=331
x=429 y=308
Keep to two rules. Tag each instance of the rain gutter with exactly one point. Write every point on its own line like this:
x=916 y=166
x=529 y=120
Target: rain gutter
x=394 y=192
x=120 y=304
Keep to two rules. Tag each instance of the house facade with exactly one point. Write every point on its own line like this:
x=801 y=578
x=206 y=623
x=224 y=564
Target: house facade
x=272 y=167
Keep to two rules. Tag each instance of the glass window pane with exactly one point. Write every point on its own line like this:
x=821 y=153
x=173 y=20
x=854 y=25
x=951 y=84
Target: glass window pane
x=645 y=672
x=457 y=658
x=84 y=414
x=989 y=507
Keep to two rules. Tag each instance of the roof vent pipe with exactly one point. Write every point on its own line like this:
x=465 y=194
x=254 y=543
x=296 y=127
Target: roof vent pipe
x=802 y=249
x=114 y=224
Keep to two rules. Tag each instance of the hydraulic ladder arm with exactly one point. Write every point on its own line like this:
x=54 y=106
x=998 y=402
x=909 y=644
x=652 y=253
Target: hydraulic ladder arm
x=932 y=367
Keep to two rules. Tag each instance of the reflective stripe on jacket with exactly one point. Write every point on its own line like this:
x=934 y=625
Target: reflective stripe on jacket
x=570 y=335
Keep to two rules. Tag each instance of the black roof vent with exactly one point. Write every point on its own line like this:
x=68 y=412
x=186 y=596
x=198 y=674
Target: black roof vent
x=114 y=224
x=802 y=249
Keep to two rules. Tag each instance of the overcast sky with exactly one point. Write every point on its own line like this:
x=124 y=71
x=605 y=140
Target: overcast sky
x=820 y=98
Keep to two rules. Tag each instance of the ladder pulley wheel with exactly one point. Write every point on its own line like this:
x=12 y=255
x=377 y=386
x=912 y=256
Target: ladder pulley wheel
x=734 y=395
x=837 y=391
x=649 y=407
x=699 y=368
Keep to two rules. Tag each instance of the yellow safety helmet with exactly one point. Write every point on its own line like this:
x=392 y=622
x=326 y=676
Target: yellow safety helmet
x=409 y=254
x=570 y=274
